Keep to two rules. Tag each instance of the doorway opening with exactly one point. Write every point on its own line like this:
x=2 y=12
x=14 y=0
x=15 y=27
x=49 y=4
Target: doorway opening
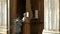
x=21 y=7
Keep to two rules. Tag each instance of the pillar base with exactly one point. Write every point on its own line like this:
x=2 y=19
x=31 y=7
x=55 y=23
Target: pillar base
x=50 y=32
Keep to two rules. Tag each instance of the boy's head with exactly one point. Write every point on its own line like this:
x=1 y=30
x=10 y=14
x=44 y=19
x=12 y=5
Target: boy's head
x=24 y=14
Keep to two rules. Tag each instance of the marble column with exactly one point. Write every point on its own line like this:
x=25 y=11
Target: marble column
x=51 y=17
x=3 y=17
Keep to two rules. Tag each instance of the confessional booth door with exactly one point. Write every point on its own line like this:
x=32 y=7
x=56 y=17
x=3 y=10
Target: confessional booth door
x=37 y=22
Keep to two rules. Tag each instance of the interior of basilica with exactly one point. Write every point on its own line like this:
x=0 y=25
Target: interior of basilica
x=29 y=16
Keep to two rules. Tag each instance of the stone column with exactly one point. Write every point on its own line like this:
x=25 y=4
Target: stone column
x=51 y=17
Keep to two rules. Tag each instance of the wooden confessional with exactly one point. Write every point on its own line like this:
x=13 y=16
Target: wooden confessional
x=35 y=8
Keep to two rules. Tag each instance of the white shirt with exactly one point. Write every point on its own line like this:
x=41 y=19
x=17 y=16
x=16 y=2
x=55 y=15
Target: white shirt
x=24 y=19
